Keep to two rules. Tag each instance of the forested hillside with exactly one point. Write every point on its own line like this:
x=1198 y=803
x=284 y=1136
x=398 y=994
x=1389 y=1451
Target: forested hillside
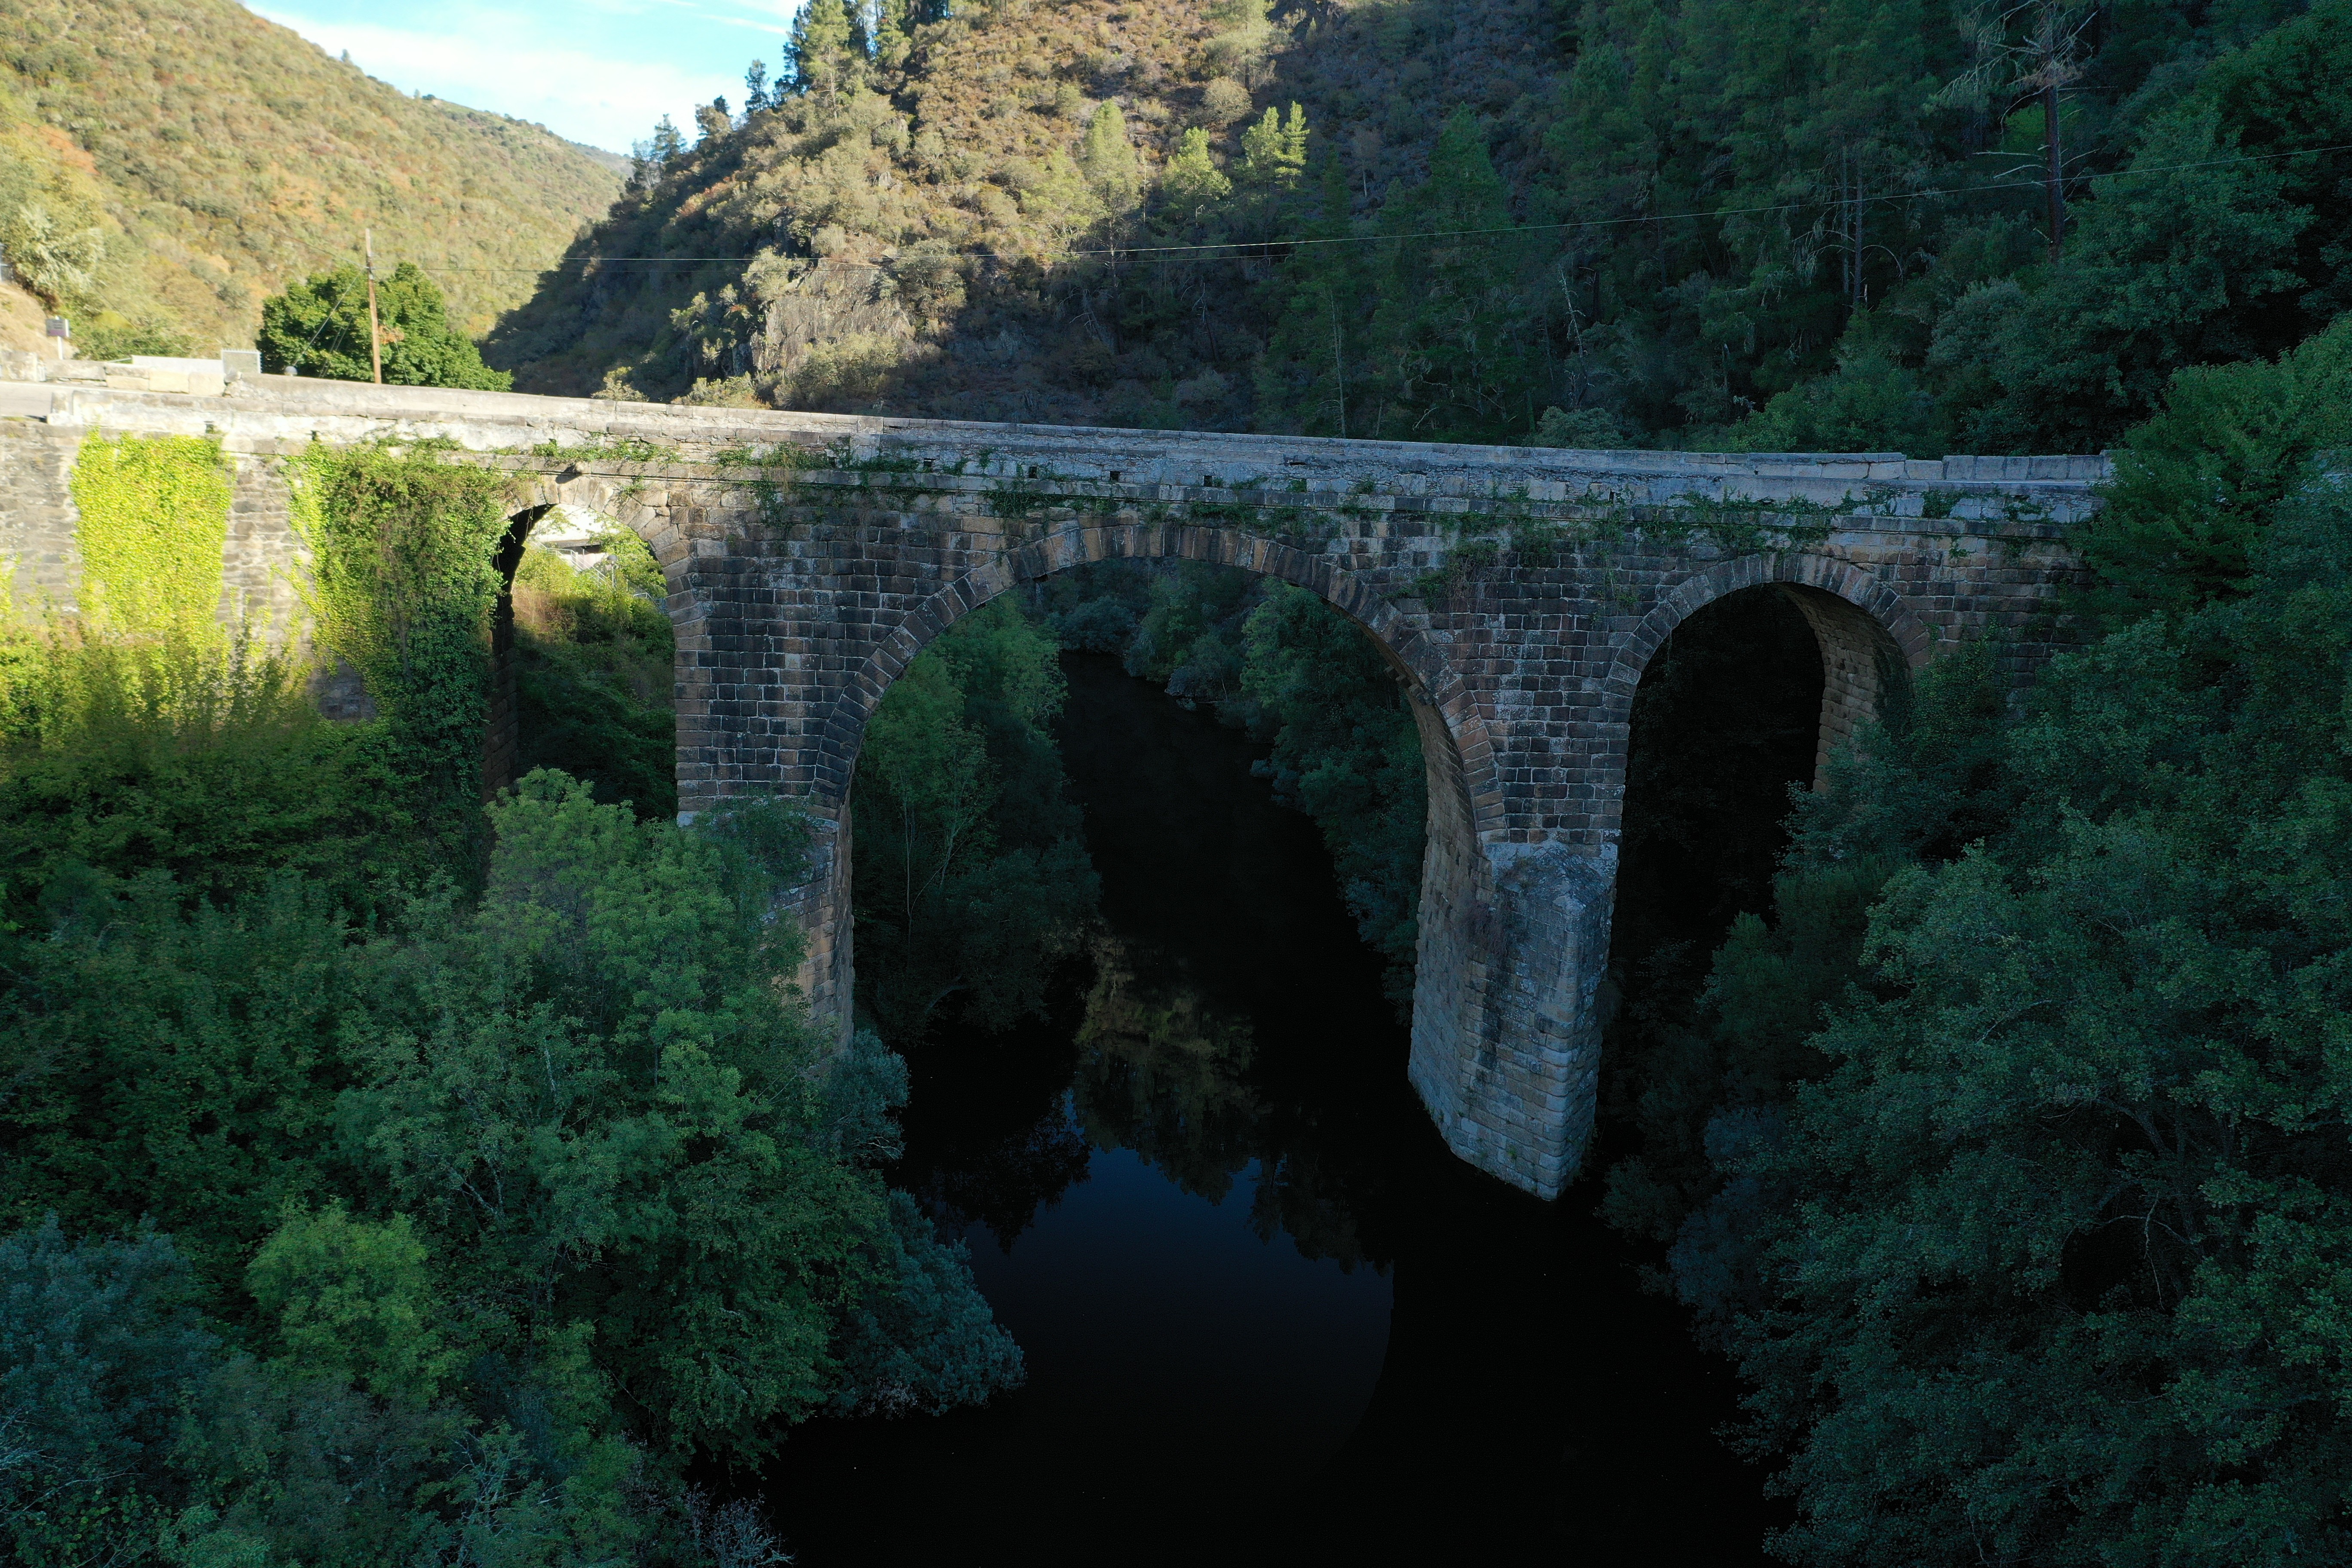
x=1771 y=223
x=165 y=164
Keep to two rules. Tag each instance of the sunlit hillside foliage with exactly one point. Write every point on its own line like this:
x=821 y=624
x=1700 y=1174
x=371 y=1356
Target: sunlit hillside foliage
x=1755 y=223
x=165 y=164
x=909 y=203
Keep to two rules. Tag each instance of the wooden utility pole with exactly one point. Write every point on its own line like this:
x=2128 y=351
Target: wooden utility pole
x=375 y=333
x=1338 y=365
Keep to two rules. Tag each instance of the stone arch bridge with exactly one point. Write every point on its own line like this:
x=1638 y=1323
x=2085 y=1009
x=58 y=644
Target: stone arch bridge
x=1518 y=593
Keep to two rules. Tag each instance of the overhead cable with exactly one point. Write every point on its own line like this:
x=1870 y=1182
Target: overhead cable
x=1229 y=251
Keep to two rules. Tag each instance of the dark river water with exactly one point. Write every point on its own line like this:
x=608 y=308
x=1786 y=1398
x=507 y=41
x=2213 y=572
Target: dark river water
x=1267 y=1317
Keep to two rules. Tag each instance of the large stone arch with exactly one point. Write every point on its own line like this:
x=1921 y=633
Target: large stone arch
x=1419 y=662
x=1870 y=641
x=1457 y=895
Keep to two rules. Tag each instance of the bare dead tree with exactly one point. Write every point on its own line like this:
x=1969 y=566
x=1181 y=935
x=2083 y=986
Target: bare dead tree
x=2027 y=53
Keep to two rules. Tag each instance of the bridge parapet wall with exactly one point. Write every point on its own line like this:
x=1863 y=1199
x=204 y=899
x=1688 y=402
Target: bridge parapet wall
x=1519 y=594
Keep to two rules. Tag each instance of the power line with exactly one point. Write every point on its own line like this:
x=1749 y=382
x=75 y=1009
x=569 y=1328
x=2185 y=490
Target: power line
x=1224 y=250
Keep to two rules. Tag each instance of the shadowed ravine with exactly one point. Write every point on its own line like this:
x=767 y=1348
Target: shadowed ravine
x=1266 y=1312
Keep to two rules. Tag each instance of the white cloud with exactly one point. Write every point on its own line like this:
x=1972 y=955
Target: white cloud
x=591 y=87
x=777 y=13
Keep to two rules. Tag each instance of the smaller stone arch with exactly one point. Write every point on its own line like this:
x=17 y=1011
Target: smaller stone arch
x=1869 y=638
x=652 y=518
x=502 y=735
x=553 y=509
x=660 y=517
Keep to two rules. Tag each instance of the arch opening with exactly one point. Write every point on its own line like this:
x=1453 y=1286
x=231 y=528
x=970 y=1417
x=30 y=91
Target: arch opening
x=1727 y=719
x=583 y=659
x=1445 y=900
x=1744 y=701
x=1864 y=676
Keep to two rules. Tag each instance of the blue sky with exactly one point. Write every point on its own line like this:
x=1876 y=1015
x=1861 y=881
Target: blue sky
x=599 y=72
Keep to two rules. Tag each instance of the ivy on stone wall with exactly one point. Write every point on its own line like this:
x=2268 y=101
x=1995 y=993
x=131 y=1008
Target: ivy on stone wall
x=153 y=523
x=403 y=581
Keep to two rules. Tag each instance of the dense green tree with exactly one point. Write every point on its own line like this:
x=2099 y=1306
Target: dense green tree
x=2049 y=1246
x=1108 y=159
x=2195 y=486
x=137 y=1009
x=101 y=1344
x=972 y=876
x=595 y=1094
x=822 y=47
x=924 y=1341
x=1870 y=403
x=355 y=1301
x=1346 y=752
x=1192 y=182
x=2006 y=1157
x=1274 y=151
x=320 y=327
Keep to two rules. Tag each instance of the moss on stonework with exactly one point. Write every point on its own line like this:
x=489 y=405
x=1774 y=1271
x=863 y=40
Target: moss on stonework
x=153 y=525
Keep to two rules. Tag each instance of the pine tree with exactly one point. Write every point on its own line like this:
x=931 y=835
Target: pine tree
x=1108 y=159
x=1274 y=154
x=648 y=158
x=889 y=31
x=1314 y=364
x=1192 y=180
x=1451 y=355
x=823 y=35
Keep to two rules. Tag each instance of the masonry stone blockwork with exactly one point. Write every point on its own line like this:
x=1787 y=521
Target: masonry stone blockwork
x=1518 y=594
